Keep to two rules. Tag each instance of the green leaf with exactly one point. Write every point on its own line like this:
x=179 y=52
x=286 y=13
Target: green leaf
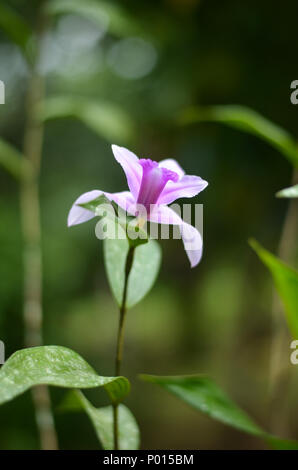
x=286 y=283
x=105 y=119
x=143 y=273
x=13 y=161
x=95 y=204
x=247 y=120
x=99 y=12
x=288 y=192
x=54 y=365
x=204 y=395
x=281 y=444
x=16 y=29
x=102 y=420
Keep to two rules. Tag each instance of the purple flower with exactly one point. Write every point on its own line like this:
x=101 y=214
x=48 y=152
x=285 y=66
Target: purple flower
x=153 y=186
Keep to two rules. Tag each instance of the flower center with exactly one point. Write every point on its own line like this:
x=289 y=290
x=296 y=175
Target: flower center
x=153 y=182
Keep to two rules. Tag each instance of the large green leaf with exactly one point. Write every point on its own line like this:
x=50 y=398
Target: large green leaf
x=248 y=120
x=16 y=29
x=54 y=365
x=143 y=273
x=286 y=283
x=105 y=119
x=288 y=192
x=99 y=12
x=102 y=420
x=204 y=395
x=146 y=257
x=13 y=161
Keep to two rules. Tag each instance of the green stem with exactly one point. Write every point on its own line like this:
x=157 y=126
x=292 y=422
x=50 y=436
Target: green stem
x=32 y=255
x=120 y=339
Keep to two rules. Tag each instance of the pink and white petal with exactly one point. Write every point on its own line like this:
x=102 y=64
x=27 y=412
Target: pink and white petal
x=125 y=200
x=131 y=167
x=162 y=214
x=193 y=243
x=172 y=165
x=187 y=186
x=191 y=237
x=78 y=215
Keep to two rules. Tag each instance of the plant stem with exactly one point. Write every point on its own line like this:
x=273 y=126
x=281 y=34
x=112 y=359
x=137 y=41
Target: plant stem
x=32 y=255
x=279 y=367
x=120 y=338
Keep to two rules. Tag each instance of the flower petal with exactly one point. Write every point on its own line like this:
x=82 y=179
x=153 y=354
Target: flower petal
x=154 y=179
x=78 y=215
x=124 y=199
x=132 y=169
x=187 y=186
x=191 y=237
x=172 y=165
x=193 y=243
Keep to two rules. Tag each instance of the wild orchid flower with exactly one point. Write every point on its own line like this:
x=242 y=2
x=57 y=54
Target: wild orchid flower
x=153 y=186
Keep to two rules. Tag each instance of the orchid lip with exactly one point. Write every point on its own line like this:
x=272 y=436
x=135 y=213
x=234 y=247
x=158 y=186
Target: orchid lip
x=153 y=181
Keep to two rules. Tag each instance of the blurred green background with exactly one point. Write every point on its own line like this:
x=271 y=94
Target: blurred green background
x=214 y=319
